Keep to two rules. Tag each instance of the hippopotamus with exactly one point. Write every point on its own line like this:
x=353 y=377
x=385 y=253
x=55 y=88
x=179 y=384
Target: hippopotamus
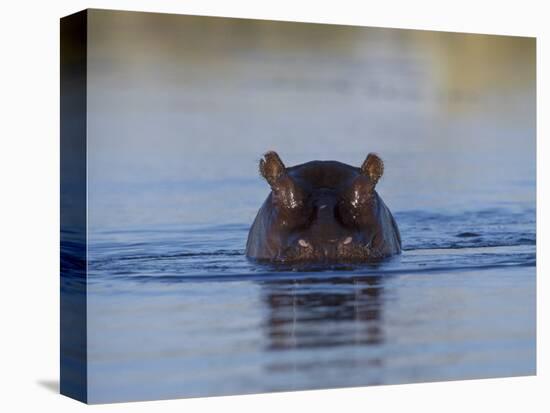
x=322 y=211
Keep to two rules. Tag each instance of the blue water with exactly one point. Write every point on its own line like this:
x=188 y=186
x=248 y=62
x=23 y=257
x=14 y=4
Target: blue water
x=174 y=309
x=181 y=312
x=471 y=240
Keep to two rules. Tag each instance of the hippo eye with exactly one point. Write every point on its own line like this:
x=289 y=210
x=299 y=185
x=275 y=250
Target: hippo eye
x=303 y=243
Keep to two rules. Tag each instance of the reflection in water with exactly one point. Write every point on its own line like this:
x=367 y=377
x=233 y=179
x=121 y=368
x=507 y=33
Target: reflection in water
x=305 y=314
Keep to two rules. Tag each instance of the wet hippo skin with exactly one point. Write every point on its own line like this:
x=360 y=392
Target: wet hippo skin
x=322 y=211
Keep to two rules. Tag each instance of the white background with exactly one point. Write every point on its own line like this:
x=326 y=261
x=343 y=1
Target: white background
x=29 y=215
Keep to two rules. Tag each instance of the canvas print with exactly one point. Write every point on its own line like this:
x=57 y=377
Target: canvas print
x=255 y=206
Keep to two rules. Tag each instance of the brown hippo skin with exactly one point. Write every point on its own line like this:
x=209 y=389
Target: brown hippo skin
x=322 y=211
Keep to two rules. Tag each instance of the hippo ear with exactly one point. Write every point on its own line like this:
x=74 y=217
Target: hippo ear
x=373 y=167
x=357 y=202
x=272 y=168
x=287 y=194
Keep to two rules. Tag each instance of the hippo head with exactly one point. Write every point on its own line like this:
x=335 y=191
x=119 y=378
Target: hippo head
x=322 y=211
